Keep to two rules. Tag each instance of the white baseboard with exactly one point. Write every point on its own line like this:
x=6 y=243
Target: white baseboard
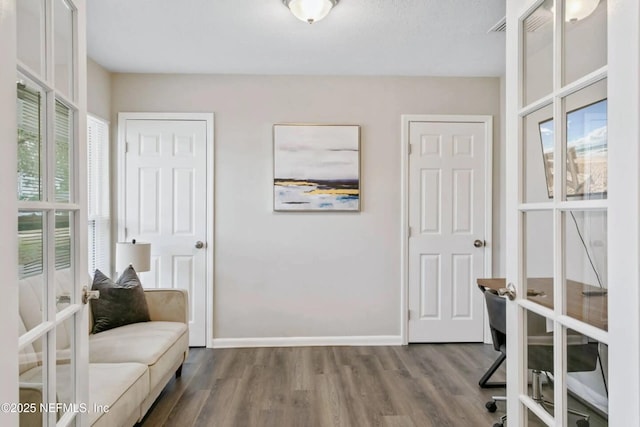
x=373 y=340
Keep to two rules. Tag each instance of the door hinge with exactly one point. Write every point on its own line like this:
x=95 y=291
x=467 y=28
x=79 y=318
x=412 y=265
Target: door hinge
x=408 y=314
x=126 y=147
x=410 y=231
x=409 y=149
x=126 y=232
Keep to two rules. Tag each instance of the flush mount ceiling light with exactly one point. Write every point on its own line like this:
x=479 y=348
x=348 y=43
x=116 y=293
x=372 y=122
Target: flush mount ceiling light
x=575 y=10
x=310 y=10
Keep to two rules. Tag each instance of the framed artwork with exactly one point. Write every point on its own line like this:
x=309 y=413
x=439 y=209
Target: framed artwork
x=316 y=167
x=586 y=151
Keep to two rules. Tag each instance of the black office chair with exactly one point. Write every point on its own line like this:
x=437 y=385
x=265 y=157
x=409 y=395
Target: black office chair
x=496 y=309
x=581 y=357
x=497 y=325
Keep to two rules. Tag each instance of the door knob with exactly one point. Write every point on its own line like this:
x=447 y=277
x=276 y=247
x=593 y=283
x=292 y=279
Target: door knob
x=478 y=243
x=89 y=295
x=199 y=245
x=509 y=291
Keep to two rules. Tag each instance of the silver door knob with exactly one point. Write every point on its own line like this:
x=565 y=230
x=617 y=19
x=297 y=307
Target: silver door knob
x=199 y=245
x=478 y=243
x=509 y=291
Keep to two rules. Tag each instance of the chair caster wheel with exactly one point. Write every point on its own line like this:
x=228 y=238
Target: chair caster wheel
x=582 y=423
x=491 y=407
x=498 y=425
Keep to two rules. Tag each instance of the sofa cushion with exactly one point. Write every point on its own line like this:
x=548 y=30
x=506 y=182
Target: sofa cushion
x=120 y=303
x=120 y=387
x=155 y=344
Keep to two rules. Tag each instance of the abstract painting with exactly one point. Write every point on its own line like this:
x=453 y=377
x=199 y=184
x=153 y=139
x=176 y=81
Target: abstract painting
x=316 y=167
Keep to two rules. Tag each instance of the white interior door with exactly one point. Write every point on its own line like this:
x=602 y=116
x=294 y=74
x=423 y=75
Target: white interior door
x=447 y=220
x=165 y=195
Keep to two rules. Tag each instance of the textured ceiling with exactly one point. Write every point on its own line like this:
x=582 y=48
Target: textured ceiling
x=359 y=37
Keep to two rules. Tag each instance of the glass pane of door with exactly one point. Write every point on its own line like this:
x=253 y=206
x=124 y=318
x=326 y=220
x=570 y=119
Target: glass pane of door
x=31 y=114
x=586 y=143
x=538 y=155
x=539 y=257
x=63 y=46
x=65 y=377
x=587 y=380
x=540 y=360
x=64 y=152
x=585 y=37
x=31 y=25
x=64 y=276
x=538 y=53
x=31 y=258
x=585 y=254
x=31 y=382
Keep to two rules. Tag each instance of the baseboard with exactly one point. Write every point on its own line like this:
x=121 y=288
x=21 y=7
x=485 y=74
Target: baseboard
x=373 y=340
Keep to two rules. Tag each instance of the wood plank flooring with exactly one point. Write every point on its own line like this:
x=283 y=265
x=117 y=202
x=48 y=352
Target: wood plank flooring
x=421 y=385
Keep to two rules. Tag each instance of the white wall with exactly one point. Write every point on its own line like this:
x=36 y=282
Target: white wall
x=98 y=90
x=312 y=274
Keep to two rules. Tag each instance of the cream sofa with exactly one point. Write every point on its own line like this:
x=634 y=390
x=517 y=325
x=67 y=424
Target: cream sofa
x=128 y=366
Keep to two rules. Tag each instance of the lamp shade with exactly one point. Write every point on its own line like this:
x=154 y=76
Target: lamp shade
x=310 y=10
x=133 y=253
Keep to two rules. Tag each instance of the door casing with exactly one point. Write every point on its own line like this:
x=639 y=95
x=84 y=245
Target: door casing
x=121 y=185
x=406 y=120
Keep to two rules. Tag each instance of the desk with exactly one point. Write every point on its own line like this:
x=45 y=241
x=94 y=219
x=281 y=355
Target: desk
x=589 y=309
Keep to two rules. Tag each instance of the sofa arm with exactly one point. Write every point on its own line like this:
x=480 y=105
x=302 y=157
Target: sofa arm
x=169 y=305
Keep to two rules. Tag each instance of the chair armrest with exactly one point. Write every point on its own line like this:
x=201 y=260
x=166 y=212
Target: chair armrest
x=169 y=305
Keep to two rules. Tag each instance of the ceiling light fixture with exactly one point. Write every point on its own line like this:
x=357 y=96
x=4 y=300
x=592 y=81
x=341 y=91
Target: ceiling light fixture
x=575 y=10
x=310 y=10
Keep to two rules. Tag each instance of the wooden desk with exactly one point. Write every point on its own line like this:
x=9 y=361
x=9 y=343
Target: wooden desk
x=589 y=309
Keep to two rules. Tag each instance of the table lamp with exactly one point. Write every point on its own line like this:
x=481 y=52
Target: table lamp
x=133 y=253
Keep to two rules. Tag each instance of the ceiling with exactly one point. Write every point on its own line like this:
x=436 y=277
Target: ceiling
x=359 y=37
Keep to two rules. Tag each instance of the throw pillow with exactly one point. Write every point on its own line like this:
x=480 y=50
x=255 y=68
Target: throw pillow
x=120 y=303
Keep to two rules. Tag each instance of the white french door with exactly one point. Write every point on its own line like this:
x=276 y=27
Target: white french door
x=52 y=213
x=570 y=66
x=449 y=201
x=165 y=196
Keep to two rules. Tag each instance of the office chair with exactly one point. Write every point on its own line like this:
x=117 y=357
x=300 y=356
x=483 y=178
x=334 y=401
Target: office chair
x=496 y=309
x=498 y=329
x=581 y=357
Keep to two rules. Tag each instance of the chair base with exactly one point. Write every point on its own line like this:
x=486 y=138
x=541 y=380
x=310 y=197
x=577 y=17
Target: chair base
x=484 y=381
x=539 y=398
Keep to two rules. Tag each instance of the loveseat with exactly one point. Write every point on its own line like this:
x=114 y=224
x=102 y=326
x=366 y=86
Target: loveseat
x=128 y=365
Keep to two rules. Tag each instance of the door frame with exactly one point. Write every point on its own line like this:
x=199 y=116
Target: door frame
x=406 y=120
x=121 y=185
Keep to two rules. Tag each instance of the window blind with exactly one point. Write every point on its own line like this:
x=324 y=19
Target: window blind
x=99 y=220
x=30 y=125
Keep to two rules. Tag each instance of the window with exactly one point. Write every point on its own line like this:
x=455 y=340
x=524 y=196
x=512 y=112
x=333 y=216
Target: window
x=99 y=221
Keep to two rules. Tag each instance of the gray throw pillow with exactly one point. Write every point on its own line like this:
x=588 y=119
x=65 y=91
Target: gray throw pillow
x=120 y=303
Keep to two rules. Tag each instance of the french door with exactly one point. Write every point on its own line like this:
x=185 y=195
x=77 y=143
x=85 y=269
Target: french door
x=566 y=192
x=51 y=202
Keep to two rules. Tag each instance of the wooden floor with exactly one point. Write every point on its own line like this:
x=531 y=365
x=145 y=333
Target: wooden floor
x=421 y=385
x=430 y=385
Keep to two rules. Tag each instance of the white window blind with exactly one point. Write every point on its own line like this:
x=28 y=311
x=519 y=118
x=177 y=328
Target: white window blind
x=99 y=220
